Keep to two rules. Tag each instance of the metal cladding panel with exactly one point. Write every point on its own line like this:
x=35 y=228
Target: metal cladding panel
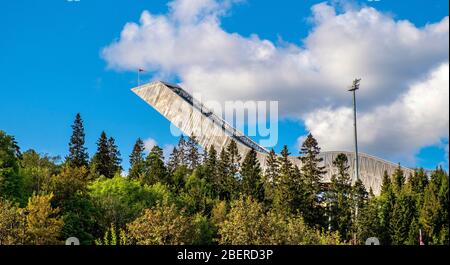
x=371 y=169
x=185 y=116
x=177 y=106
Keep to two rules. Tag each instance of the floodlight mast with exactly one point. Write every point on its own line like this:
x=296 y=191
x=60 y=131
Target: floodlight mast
x=355 y=86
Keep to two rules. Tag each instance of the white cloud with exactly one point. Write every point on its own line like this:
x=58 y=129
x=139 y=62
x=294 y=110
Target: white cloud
x=307 y=78
x=418 y=118
x=149 y=143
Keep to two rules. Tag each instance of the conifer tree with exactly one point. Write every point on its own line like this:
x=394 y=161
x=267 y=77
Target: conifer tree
x=156 y=170
x=312 y=173
x=78 y=155
x=339 y=198
x=211 y=165
x=271 y=177
x=101 y=161
x=137 y=160
x=398 y=180
x=251 y=176
x=387 y=202
x=174 y=160
x=225 y=176
x=282 y=197
x=433 y=215
x=402 y=216
x=192 y=153
x=234 y=158
x=114 y=157
x=182 y=151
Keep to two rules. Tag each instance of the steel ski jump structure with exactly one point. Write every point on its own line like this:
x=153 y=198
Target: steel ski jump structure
x=194 y=119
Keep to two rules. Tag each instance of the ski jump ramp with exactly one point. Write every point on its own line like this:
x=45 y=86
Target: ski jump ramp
x=194 y=119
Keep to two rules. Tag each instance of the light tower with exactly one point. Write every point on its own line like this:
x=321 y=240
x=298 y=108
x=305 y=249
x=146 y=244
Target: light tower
x=355 y=86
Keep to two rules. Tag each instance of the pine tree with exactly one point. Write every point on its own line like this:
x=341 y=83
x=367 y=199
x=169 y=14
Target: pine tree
x=101 y=161
x=78 y=155
x=114 y=157
x=156 y=170
x=312 y=173
x=192 y=153
x=251 y=176
x=137 y=160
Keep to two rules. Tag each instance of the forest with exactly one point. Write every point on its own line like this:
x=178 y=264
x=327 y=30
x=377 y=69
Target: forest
x=204 y=197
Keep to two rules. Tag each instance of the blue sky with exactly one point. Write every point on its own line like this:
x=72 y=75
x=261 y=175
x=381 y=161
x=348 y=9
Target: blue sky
x=52 y=67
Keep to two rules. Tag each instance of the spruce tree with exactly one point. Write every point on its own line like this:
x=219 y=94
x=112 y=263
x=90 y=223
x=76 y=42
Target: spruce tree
x=192 y=153
x=137 y=160
x=174 y=161
x=211 y=165
x=359 y=201
x=251 y=183
x=271 y=177
x=182 y=151
x=399 y=179
x=156 y=170
x=282 y=197
x=433 y=215
x=234 y=158
x=387 y=202
x=114 y=157
x=226 y=177
x=101 y=161
x=312 y=173
x=402 y=216
x=78 y=155
x=339 y=198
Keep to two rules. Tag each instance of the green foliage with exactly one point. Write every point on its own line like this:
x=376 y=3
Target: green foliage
x=119 y=200
x=248 y=224
x=339 y=199
x=106 y=161
x=209 y=200
x=112 y=237
x=312 y=174
x=36 y=224
x=37 y=172
x=251 y=183
x=161 y=225
x=156 y=170
x=137 y=161
x=11 y=182
x=196 y=194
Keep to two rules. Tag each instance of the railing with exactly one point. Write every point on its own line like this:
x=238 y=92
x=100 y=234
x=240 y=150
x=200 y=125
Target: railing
x=230 y=130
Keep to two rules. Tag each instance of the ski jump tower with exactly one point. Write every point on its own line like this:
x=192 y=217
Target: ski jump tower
x=194 y=119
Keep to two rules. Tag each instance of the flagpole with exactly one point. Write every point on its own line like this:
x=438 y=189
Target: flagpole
x=139 y=80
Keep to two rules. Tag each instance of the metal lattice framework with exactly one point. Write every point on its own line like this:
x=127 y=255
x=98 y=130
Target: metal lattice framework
x=194 y=119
